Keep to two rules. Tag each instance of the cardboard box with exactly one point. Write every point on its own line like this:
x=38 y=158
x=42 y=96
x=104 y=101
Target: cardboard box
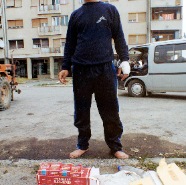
x=62 y=174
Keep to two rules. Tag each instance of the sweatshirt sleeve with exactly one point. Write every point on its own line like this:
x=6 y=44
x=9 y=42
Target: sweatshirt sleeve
x=118 y=36
x=70 y=45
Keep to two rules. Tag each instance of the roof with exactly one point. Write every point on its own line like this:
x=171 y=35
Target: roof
x=175 y=41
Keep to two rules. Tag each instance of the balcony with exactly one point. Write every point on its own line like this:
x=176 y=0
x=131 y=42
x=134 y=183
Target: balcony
x=49 y=9
x=166 y=3
x=166 y=24
x=55 y=50
x=51 y=50
x=166 y=18
x=164 y=35
x=49 y=30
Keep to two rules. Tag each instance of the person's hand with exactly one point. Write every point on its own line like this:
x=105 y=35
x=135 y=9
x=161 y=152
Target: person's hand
x=124 y=77
x=62 y=76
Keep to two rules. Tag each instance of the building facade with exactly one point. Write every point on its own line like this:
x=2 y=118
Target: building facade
x=34 y=31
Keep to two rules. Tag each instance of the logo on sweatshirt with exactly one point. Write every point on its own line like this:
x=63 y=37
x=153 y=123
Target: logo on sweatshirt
x=101 y=19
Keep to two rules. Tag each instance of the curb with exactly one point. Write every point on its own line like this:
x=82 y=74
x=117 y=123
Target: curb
x=89 y=162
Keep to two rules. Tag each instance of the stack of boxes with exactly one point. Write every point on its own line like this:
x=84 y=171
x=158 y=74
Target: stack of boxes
x=62 y=174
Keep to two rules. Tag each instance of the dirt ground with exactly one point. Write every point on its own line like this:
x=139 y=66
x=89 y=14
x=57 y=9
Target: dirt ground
x=136 y=145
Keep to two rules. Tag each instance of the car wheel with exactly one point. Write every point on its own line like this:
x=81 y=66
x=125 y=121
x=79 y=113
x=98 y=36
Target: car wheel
x=136 y=88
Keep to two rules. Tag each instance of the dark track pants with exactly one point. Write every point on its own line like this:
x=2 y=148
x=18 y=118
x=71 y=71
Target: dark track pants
x=100 y=80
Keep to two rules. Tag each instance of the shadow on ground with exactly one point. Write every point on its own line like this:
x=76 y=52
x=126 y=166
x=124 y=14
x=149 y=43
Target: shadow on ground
x=136 y=145
x=158 y=96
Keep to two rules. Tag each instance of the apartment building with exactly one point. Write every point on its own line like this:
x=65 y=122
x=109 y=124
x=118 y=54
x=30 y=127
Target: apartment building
x=166 y=19
x=34 y=31
x=34 y=34
x=150 y=20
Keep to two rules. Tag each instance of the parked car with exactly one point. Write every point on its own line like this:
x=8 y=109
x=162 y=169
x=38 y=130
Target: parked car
x=157 y=67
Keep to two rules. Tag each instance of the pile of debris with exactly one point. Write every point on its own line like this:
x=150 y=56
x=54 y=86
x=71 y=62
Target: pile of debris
x=62 y=174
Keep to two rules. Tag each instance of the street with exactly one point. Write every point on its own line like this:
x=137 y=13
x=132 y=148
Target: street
x=40 y=120
x=39 y=127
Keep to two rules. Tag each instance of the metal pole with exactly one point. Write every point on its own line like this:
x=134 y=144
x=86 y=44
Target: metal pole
x=73 y=5
x=148 y=16
x=4 y=27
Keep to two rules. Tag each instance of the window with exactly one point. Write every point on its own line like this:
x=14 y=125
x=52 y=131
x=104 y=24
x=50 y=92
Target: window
x=60 y=20
x=54 y=2
x=137 y=39
x=36 y=43
x=64 y=20
x=13 y=3
x=10 y=3
x=64 y=1
x=14 y=24
x=1 y=43
x=16 y=44
x=56 y=43
x=63 y=42
x=18 y=3
x=170 y=53
x=55 y=21
x=56 y=46
x=137 y=17
x=43 y=43
x=57 y=66
x=34 y=3
x=43 y=2
x=20 y=44
x=178 y=2
x=39 y=22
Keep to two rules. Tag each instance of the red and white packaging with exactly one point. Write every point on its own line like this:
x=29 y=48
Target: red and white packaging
x=62 y=174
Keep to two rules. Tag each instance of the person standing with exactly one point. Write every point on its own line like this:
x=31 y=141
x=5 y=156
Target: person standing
x=88 y=52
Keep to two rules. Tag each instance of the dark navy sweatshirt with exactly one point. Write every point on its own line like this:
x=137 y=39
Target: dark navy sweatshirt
x=89 y=36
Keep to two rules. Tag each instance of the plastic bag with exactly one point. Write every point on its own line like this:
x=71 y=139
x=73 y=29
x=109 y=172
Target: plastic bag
x=119 y=178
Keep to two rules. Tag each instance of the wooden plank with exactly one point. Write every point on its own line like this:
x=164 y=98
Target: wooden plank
x=170 y=174
x=145 y=181
x=154 y=176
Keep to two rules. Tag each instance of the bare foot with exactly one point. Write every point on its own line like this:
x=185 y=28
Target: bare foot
x=77 y=153
x=121 y=155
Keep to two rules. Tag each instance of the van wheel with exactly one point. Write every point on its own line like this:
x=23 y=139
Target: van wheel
x=136 y=88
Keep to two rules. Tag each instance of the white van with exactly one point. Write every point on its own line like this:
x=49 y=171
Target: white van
x=157 y=67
